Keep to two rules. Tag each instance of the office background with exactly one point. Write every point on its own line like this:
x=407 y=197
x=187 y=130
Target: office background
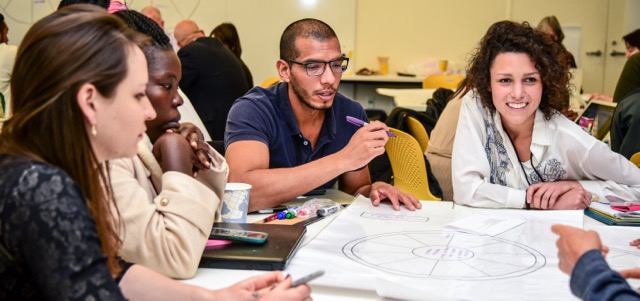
x=414 y=34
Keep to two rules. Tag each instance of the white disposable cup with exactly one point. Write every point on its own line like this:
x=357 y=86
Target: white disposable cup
x=235 y=202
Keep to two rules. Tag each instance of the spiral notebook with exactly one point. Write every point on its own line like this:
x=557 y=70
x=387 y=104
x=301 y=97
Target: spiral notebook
x=275 y=254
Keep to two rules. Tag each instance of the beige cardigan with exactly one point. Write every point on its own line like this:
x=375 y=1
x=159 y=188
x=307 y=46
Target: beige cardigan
x=166 y=217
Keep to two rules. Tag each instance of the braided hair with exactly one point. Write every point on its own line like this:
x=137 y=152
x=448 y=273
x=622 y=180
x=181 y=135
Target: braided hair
x=143 y=24
x=102 y=3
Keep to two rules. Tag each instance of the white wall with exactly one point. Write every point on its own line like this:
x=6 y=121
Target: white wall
x=259 y=23
x=414 y=34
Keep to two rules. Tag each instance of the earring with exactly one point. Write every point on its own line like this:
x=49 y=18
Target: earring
x=94 y=131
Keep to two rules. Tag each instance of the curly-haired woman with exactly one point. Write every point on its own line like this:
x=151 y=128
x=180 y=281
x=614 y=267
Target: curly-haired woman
x=512 y=148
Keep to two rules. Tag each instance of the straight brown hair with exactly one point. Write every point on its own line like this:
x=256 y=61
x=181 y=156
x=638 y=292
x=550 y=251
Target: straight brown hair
x=73 y=46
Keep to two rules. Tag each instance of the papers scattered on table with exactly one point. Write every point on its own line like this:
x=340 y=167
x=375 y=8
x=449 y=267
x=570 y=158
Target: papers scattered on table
x=485 y=224
x=606 y=211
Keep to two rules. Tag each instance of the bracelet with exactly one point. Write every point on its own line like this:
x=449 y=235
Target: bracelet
x=526 y=204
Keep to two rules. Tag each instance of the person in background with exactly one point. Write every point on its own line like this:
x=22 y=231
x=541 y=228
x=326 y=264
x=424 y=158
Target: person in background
x=228 y=35
x=212 y=76
x=551 y=26
x=59 y=236
x=7 y=58
x=291 y=138
x=533 y=156
x=170 y=193
x=625 y=125
x=187 y=31
x=632 y=43
x=117 y=5
x=629 y=78
x=154 y=14
x=581 y=256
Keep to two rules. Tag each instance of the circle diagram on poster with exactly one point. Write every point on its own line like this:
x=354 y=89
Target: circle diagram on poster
x=445 y=255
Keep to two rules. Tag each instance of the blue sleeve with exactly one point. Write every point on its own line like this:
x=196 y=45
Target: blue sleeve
x=248 y=121
x=592 y=279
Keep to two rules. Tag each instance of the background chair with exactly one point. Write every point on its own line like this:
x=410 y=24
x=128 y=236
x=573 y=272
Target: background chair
x=449 y=81
x=271 y=81
x=408 y=165
x=635 y=159
x=418 y=131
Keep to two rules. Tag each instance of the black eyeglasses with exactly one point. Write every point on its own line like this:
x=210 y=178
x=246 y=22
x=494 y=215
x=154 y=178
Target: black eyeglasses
x=315 y=68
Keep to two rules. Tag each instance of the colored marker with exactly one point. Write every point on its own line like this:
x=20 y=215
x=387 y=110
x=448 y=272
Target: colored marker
x=270 y=218
x=361 y=123
x=282 y=214
x=328 y=210
x=287 y=213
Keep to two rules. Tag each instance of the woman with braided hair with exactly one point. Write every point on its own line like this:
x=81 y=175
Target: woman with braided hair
x=170 y=193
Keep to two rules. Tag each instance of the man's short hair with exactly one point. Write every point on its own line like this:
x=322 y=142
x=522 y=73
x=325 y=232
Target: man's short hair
x=304 y=28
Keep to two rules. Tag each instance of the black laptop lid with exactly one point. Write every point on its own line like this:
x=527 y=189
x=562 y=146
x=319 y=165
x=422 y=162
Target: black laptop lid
x=275 y=254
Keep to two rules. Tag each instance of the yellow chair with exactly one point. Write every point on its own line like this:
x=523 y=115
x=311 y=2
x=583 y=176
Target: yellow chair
x=271 y=81
x=417 y=130
x=435 y=81
x=635 y=159
x=408 y=165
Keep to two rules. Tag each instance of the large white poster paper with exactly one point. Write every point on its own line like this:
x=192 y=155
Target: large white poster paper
x=366 y=244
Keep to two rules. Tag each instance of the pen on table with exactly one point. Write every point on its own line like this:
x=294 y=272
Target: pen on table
x=270 y=218
x=361 y=123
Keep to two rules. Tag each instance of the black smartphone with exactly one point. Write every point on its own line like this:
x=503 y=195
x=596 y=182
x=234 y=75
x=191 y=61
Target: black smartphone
x=239 y=235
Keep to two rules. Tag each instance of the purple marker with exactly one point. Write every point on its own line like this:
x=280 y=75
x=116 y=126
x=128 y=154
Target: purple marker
x=361 y=123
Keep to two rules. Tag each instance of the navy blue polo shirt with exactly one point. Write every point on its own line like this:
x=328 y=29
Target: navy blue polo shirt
x=265 y=115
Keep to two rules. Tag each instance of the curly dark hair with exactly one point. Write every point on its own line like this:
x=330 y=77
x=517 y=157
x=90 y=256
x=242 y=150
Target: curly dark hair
x=550 y=60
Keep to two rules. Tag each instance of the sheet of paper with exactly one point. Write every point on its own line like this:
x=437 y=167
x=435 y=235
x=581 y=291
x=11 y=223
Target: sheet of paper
x=390 y=287
x=486 y=224
x=377 y=248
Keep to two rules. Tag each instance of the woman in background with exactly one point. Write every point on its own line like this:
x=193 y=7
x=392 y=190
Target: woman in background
x=551 y=26
x=71 y=114
x=228 y=36
x=533 y=156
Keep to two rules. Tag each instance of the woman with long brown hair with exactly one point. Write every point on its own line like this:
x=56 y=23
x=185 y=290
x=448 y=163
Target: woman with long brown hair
x=79 y=86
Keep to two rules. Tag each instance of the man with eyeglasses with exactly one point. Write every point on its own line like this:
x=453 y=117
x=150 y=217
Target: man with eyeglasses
x=291 y=138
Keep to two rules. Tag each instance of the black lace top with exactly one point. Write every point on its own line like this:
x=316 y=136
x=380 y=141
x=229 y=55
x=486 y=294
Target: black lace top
x=49 y=247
